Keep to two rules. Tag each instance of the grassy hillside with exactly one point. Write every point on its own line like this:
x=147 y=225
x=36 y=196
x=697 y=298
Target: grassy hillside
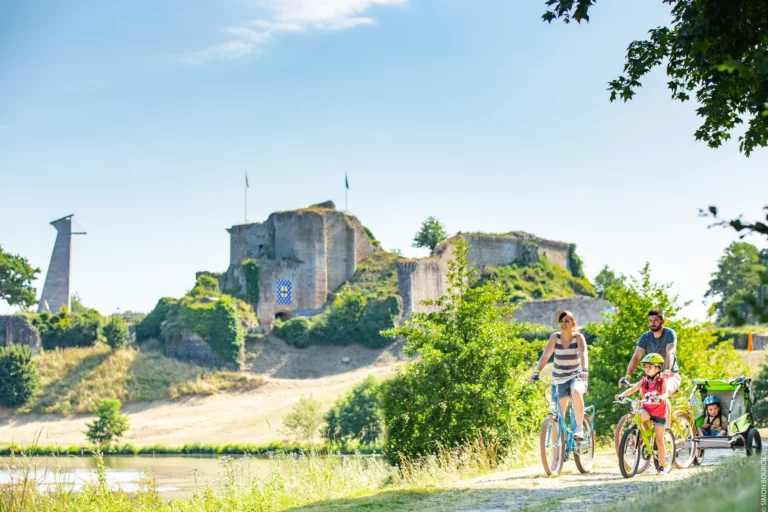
x=74 y=380
x=375 y=277
x=541 y=280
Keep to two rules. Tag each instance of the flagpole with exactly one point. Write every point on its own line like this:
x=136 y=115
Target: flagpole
x=246 y=196
x=346 y=191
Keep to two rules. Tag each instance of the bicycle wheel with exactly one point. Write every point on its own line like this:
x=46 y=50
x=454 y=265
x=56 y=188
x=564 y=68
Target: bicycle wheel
x=552 y=445
x=586 y=451
x=669 y=449
x=685 y=447
x=624 y=423
x=629 y=452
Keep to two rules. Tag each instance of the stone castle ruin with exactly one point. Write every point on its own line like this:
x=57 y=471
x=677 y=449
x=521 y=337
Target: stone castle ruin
x=301 y=257
x=427 y=278
x=290 y=264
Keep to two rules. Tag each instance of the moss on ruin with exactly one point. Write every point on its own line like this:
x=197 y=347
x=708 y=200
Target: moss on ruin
x=375 y=277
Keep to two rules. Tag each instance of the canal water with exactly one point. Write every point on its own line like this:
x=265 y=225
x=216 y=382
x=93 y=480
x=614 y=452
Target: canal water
x=175 y=476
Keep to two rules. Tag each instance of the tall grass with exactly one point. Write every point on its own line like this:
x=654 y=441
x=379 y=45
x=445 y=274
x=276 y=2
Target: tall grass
x=75 y=380
x=293 y=480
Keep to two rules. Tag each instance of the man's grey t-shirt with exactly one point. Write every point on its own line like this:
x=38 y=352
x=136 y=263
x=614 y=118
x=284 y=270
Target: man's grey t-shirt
x=651 y=344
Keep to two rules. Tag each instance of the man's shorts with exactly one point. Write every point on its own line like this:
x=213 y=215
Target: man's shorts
x=673 y=383
x=564 y=389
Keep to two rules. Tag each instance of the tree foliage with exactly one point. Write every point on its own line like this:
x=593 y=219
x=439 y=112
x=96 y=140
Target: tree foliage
x=16 y=276
x=605 y=279
x=738 y=286
x=471 y=375
x=65 y=330
x=19 y=377
x=356 y=415
x=149 y=327
x=116 y=332
x=616 y=340
x=714 y=50
x=110 y=424
x=430 y=234
x=305 y=419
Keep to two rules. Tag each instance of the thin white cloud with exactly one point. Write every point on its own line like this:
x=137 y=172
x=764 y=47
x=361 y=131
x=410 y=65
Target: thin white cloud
x=225 y=51
x=290 y=16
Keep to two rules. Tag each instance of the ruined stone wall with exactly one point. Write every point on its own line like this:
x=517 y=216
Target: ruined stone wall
x=248 y=241
x=427 y=279
x=546 y=311
x=271 y=272
x=16 y=330
x=491 y=250
x=339 y=258
x=418 y=281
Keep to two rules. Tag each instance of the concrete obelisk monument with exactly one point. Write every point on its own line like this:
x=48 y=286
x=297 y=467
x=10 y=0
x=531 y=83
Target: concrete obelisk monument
x=56 y=287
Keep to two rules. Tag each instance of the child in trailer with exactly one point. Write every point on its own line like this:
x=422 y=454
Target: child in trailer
x=654 y=390
x=715 y=424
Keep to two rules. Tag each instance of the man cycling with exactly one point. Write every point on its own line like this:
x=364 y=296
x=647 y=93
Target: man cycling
x=661 y=340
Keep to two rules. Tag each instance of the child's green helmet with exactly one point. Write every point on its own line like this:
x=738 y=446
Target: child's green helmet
x=653 y=358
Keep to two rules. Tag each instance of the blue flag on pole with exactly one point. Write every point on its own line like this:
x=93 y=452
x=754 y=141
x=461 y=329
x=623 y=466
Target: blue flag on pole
x=346 y=181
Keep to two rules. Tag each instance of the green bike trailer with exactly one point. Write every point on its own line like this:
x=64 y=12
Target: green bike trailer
x=736 y=399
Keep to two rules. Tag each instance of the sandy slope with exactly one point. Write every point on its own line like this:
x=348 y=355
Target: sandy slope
x=254 y=416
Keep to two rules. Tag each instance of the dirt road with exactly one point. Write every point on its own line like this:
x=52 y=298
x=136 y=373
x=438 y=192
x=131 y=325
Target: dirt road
x=246 y=417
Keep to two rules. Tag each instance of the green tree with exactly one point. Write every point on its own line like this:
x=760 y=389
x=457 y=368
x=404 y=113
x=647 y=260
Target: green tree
x=19 y=377
x=760 y=388
x=605 y=279
x=305 y=419
x=16 y=276
x=430 y=234
x=356 y=415
x=615 y=342
x=738 y=286
x=116 y=332
x=110 y=424
x=471 y=376
x=714 y=50
x=76 y=304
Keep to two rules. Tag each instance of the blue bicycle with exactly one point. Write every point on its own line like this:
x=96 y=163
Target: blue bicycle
x=557 y=442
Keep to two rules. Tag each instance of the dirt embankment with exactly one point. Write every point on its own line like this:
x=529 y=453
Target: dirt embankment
x=245 y=417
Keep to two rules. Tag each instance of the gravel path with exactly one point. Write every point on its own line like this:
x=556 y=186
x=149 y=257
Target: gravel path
x=530 y=490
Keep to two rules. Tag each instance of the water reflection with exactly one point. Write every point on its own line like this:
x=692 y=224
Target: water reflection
x=175 y=476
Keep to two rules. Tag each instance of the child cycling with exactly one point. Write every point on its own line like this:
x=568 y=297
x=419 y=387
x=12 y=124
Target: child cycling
x=715 y=424
x=654 y=391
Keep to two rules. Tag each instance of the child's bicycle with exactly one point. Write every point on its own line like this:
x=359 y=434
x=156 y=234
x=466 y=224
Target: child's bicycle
x=638 y=443
x=683 y=428
x=557 y=442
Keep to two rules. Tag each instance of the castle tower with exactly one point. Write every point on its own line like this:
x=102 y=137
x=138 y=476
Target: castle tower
x=56 y=287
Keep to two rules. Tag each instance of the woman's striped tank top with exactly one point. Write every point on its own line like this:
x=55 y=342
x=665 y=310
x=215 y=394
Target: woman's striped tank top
x=567 y=363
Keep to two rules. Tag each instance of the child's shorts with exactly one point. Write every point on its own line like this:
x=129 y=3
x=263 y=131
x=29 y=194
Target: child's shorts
x=710 y=432
x=658 y=420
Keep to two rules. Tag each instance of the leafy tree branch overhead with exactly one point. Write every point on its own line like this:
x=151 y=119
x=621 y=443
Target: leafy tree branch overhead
x=714 y=50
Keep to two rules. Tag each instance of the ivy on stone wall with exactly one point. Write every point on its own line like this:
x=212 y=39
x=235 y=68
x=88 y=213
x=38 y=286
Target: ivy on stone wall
x=575 y=265
x=150 y=326
x=218 y=323
x=252 y=273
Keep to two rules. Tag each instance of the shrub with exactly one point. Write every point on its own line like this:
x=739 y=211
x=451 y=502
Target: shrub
x=470 y=380
x=760 y=387
x=357 y=415
x=116 y=332
x=66 y=330
x=294 y=332
x=19 y=377
x=150 y=327
x=110 y=424
x=252 y=274
x=218 y=323
x=304 y=420
x=352 y=319
x=575 y=265
x=205 y=286
x=615 y=343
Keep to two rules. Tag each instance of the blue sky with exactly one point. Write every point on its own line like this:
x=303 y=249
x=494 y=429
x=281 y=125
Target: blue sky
x=141 y=119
